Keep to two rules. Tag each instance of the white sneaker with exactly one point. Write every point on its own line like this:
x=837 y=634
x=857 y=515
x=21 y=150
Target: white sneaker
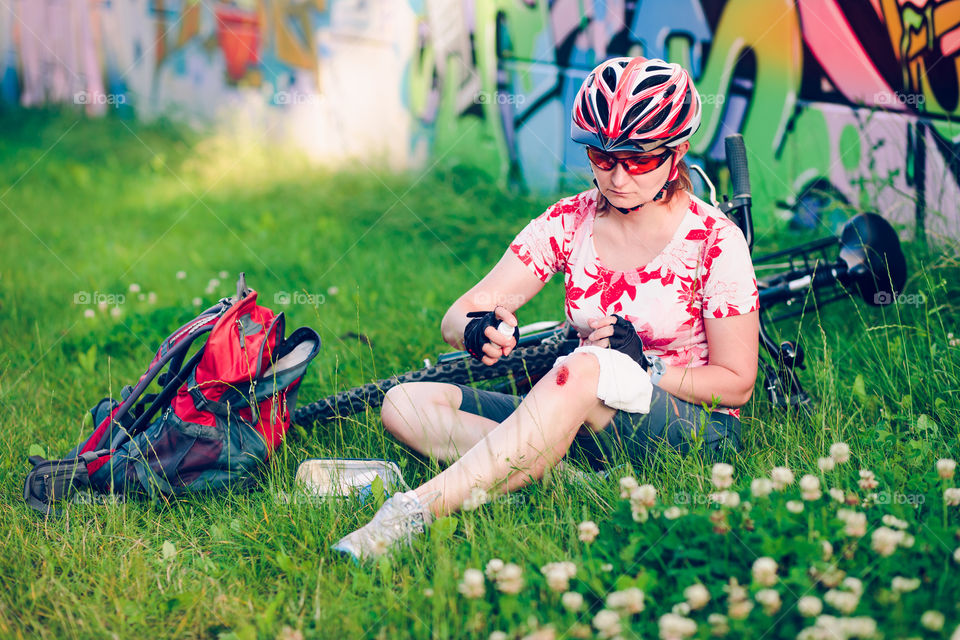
x=401 y=517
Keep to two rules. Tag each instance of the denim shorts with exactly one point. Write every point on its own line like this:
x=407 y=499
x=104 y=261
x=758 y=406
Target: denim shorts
x=636 y=436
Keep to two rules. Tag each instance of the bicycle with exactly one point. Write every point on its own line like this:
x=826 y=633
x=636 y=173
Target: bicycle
x=869 y=262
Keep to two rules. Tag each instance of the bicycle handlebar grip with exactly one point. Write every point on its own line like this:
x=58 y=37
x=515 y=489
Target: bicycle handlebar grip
x=737 y=162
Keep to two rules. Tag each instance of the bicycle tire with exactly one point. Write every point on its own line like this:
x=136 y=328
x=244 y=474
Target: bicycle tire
x=531 y=362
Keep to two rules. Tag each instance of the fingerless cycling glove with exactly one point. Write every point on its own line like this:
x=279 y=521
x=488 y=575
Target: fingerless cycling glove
x=473 y=333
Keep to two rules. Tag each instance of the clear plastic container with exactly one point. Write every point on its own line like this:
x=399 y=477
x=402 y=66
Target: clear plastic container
x=339 y=477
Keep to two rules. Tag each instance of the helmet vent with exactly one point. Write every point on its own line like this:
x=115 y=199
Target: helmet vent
x=609 y=77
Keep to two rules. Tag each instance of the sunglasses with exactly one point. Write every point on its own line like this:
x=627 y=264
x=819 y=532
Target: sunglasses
x=635 y=165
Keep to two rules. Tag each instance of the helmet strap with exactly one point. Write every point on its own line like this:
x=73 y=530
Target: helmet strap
x=624 y=210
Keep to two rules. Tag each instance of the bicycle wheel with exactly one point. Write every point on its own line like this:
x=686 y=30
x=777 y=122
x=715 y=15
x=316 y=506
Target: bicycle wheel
x=525 y=363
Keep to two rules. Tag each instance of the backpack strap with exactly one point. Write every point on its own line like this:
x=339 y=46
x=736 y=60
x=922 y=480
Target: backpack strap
x=52 y=481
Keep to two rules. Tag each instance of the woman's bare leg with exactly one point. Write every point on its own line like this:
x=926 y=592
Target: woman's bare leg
x=426 y=417
x=529 y=441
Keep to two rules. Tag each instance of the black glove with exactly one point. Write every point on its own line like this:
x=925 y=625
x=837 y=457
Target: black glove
x=473 y=333
x=626 y=340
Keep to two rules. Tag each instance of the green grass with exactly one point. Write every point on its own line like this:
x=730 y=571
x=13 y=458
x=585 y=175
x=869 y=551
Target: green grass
x=93 y=206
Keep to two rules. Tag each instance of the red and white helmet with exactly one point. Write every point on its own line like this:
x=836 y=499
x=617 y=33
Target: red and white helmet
x=635 y=104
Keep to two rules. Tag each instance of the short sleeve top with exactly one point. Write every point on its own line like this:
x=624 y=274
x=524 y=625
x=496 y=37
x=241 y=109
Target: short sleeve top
x=704 y=271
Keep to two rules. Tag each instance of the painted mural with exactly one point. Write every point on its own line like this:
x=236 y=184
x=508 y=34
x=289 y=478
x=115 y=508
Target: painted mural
x=841 y=102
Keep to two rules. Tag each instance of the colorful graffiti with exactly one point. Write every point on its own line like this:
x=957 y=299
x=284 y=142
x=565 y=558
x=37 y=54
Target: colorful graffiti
x=841 y=102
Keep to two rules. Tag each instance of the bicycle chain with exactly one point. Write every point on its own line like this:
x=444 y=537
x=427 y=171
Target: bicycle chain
x=533 y=361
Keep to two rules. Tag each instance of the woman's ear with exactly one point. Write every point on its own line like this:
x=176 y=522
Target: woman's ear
x=682 y=149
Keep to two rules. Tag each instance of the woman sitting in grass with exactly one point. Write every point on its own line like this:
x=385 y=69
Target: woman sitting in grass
x=659 y=285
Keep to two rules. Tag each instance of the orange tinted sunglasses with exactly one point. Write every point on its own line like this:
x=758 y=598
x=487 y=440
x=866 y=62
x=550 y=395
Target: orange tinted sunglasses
x=635 y=165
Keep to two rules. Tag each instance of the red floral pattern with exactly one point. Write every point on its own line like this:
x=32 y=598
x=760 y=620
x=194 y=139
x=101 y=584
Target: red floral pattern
x=704 y=271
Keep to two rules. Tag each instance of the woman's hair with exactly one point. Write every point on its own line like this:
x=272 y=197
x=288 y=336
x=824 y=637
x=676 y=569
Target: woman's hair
x=682 y=183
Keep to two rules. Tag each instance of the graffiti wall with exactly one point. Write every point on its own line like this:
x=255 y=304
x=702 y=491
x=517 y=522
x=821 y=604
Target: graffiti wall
x=841 y=102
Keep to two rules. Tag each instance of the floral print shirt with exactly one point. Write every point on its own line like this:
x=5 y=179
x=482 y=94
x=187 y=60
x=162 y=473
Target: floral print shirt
x=704 y=271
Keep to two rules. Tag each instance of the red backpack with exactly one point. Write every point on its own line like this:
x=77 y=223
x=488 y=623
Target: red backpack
x=223 y=411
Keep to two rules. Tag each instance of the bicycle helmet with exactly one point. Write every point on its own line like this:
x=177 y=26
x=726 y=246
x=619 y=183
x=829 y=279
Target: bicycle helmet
x=636 y=104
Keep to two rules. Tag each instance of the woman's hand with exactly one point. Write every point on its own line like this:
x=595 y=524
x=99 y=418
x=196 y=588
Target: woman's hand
x=602 y=330
x=499 y=345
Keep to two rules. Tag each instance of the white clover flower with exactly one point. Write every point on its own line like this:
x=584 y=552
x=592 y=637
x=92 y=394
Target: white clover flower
x=543 y=633
x=765 y=571
x=719 y=625
x=837 y=494
x=89 y=313
x=607 y=623
x=116 y=312
x=840 y=452
x=644 y=495
x=572 y=601
x=472 y=585
x=197 y=301
x=853 y=584
x=946 y=467
x=907 y=540
x=729 y=499
x=893 y=521
x=333 y=290
x=782 y=478
x=868 y=480
x=697 y=596
x=722 y=475
x=951 y=496
x=181 y=275
x=826 y=464
x=809 y=606
x=885 y=540
x=588 y=531
x=810 y=487
x=761 y=487
x=498 y=635
x=674 y=512
x=826 y=550
x=477 y=498
x=134 y=287
x=428 y=593
x=675 y=627
x=681 y=609
x=740 y=609
x=606 y=567
x=932 y=620
x=628 y=601
x=558 y=575
x=103 y=305
x=769 y=600
x=956 y=555
x=627 y=485
x=510 y=579
x=794 y=506
x=843 y=601
x=493 y=568
x=855 y=522
x=223 y=274
x=904 y=585
x=152 y=297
